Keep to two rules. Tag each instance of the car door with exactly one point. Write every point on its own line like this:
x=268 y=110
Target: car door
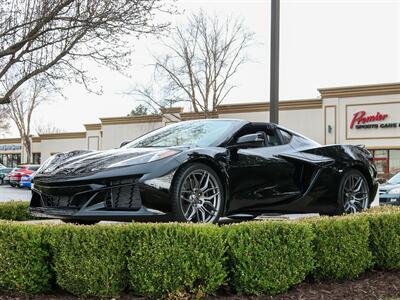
x=260 y=177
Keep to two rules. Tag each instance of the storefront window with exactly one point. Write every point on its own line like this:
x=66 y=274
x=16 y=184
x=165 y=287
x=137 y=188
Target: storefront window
x=381 y=162
x=387 y=163
x=10 y=160
x=394 y=162
x=36 y=158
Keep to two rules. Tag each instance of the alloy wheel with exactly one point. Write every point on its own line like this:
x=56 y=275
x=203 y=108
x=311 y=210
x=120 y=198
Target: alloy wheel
x=355 y=194
x=200 y=197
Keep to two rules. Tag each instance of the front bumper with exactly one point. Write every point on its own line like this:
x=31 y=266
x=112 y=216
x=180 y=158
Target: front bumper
x=389 y=199
x=94 y=213
x=106 y=199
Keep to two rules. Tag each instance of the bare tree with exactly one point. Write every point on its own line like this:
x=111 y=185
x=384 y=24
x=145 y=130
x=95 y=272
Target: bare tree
x=49 y=38
x=202 y=58
x=154 y=96
x=21 y=108
x=46 y=128
x=4 y=120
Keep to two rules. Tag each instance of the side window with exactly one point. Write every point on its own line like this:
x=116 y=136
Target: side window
x=272 y=139
x=286 y=136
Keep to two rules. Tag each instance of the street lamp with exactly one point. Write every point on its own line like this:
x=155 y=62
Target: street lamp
x=274 y=63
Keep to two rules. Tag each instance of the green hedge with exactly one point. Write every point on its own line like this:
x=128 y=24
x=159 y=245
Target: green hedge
x=15 y=211
x=341 y=247
x=175 y=259
x=268 y=257
x=89 y=260
x=385 y=237
x=184 y=260
x=24 y=258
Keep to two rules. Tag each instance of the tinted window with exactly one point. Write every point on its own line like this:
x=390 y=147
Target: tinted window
x=286 y=136
x=194 y=133
x=271 y=139
x=33 y=168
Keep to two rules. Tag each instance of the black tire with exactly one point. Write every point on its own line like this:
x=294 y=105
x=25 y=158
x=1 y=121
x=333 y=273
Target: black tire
x=80 y=222
x=194 y=200
x=353 y=198
x=1 y=181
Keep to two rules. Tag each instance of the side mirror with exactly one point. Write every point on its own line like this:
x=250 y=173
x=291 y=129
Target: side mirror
x=251 y=140
x=124 y=143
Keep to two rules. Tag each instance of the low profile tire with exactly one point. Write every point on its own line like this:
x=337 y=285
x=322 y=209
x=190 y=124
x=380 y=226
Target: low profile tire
x=197 y=195
x=354 y=193
x=80 y=222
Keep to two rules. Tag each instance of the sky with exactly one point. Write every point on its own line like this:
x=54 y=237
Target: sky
x=324 y=43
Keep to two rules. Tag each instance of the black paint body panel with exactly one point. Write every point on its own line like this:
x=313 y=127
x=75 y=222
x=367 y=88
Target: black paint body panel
x=300 y=176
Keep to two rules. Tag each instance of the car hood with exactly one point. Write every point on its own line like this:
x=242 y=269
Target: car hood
x=384 y=188
x=82 y=162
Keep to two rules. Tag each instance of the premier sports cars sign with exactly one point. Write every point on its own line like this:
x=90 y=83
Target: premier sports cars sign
x=370 y=121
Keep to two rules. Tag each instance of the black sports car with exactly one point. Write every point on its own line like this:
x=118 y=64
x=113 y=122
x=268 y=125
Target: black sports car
x=199 y=171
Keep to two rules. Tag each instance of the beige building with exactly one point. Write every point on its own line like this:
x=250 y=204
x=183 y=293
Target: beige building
x=368 y=115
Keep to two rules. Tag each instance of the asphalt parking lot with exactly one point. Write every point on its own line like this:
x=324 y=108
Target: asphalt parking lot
x=8 y=193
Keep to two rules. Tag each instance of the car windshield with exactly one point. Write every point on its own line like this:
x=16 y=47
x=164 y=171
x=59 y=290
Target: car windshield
x=201 y=133
x=395 y=179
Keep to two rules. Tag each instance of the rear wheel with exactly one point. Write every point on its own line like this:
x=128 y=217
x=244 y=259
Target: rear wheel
x=197 y=195
x=353 y=192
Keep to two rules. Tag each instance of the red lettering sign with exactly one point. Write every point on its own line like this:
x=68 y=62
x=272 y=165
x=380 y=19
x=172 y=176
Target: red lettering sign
x=360 y=117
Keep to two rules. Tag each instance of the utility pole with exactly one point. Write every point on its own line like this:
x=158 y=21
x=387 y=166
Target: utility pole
x=274 y=63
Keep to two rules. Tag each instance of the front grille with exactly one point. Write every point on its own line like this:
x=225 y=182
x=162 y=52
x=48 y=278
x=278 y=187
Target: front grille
x=125 y=197
x=120 y=194
x=56 y=201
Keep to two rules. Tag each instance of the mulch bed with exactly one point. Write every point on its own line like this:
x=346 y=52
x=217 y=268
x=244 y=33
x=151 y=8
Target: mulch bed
x=371 y=285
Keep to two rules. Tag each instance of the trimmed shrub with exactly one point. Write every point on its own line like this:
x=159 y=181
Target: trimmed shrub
x=385 y=238
x=341 y=247
x=24 y=257
x=15 y=210
x=89 y=260
x=175 y=259
x=268 y=257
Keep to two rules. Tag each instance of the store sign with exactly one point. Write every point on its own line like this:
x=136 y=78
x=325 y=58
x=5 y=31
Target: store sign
x=373 y=121
x=10 y=147
x=361 y=120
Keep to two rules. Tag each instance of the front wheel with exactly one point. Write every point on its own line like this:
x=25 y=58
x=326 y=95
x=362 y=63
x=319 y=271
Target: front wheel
x=353 y=192
x=197 y=195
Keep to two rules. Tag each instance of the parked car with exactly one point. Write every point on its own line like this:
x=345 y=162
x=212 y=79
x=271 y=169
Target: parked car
x=2 y=166
x=15 y=175
x=199 y=171
x=389 y=193
x=3 y=173
x=26 y=181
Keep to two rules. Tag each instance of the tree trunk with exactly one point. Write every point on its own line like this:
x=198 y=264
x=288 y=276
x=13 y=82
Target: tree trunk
x=28 y=149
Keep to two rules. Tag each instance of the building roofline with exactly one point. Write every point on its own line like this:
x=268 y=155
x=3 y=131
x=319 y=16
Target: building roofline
x=96 y=126
x=10 y=141
x=131 y=120
x=360 y=90
x=62 y=136
x=265 y=106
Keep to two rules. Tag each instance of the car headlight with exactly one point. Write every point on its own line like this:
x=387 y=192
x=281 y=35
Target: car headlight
x=394 y=191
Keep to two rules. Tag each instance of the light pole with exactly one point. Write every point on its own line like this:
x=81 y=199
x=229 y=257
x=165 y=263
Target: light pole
x=274 y=63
